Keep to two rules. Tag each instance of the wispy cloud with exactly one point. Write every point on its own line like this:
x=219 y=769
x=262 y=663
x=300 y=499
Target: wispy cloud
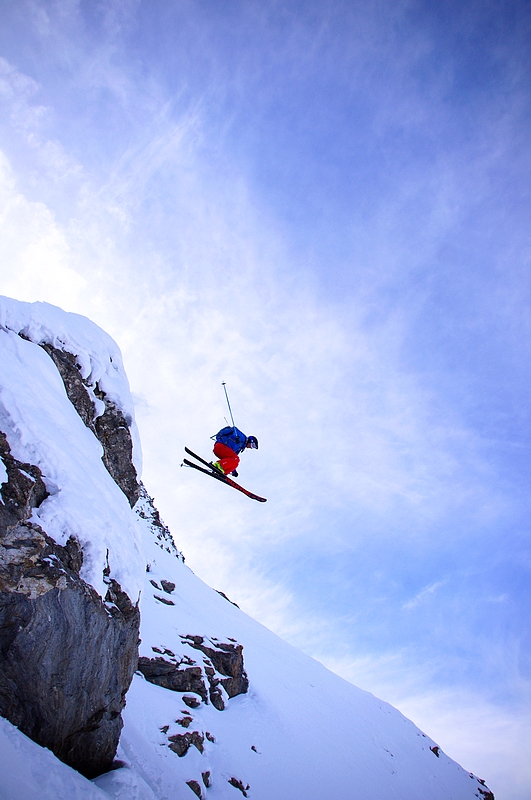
x=423 y=596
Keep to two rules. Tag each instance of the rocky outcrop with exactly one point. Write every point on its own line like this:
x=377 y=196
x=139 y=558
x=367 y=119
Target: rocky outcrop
x=145 y=508
x=180 y=743
x=113 y=432
x=227 y=659
x=222 y=667
x=67 y=657
x=172 y=676
x=111 y=427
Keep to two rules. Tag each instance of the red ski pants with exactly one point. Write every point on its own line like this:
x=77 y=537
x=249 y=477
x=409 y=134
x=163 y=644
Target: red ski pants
x=227 y=458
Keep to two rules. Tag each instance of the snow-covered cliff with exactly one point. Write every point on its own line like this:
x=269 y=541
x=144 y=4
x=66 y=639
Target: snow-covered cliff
x=219 y=706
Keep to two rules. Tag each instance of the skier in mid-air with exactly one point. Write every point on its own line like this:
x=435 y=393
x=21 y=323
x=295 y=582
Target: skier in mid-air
x=230 y=442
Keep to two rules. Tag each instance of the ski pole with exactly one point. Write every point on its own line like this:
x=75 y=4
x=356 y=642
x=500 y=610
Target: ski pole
x=227 y=396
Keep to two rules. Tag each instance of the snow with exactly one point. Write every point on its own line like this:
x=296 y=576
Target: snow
x=30 y=772
x=314 y=735
x=44 y=429
x=299 y=733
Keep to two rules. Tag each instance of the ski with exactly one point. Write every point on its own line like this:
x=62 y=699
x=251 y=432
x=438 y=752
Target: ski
x=226 y=480
x=198 y=458
x=218 y=476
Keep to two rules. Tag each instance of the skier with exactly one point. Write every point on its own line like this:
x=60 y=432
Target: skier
x=230 y=442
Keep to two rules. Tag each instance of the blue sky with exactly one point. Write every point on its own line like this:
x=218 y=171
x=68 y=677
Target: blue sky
x=326 y=206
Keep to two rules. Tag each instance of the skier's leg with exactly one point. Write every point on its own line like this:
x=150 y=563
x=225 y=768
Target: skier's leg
x=228 y=460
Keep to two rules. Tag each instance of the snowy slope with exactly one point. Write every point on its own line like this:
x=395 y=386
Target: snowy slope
x=30 y=772
x=299 y=733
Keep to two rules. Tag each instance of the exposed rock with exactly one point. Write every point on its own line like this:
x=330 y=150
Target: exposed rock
x=191 y=702
x=184 y=722
x=210 y=737
x=215 y=693
x=227 y=598
x=484 y=790
x=169 y=675
x=239 y=785
x=223 y=659
x=164 y=600
x=168 y=586
x=164 y=651
x=112 y=430
x=66 y=657
x=180 y=743
x=436 y=750
x=145 y=508
x=198 y=740
x=75 y=386
x=195 y=787
x=207 y=780
x=24 y=490
x=227 y=659
x=111 y=427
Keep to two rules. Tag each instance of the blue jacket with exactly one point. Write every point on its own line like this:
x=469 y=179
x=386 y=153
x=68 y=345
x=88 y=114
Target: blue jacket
x=233 y=438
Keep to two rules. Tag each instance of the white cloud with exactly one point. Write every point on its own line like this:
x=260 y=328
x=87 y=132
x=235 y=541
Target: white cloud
x=35 y=258
x=423 y=595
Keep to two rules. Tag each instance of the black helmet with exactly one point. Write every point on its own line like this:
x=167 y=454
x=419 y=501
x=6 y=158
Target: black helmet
x=252 y=442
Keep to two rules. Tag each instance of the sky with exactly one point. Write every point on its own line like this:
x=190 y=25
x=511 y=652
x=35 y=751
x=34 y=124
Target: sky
x=325 y=205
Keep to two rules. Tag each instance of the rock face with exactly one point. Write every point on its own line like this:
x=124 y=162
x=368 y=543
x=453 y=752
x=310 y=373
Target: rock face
x=111 y=427
x=67 y=656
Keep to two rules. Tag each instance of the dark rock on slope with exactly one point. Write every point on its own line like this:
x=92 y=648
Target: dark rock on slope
x=171 y=676
x=111 y=428
x=66 y=657
x=223 y=666
x=227 y=658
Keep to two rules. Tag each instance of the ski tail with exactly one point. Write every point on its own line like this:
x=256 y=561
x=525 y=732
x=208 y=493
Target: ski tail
x=213 y=473
x=194 y=455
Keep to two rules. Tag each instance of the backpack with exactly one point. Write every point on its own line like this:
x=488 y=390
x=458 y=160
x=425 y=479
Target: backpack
x=233 y=438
